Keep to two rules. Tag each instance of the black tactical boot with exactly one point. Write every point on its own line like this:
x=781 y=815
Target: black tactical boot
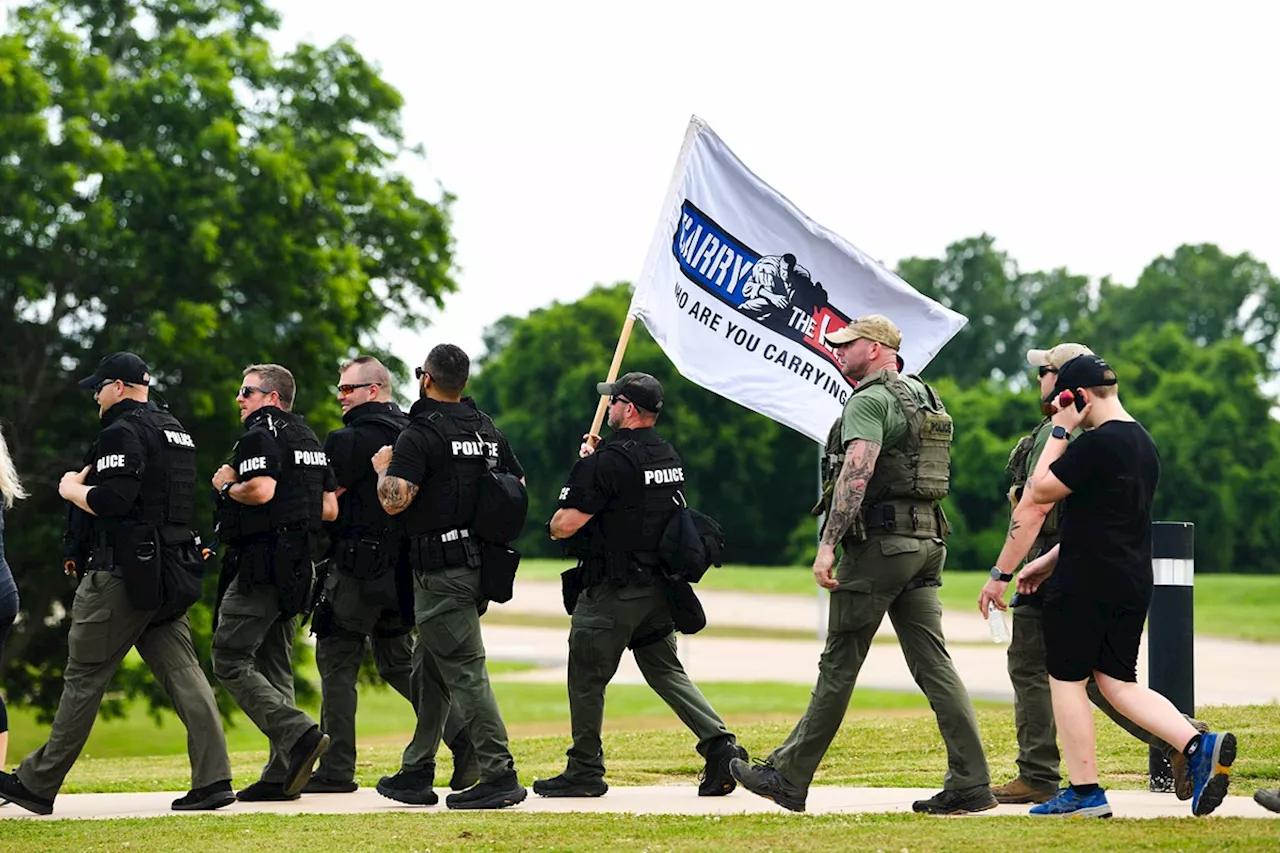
x=466 y=764
x=412 y=787
x=498 y=794
x=961 y=801
x=764 y=780
x=317 y=784
x=716 y=780
x=14 y=791
x=206 y=798
x=559 y=786
x=303 y=756
x=265 y=792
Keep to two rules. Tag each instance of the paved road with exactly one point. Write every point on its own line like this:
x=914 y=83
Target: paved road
x=1227 y=671
x=661 y=799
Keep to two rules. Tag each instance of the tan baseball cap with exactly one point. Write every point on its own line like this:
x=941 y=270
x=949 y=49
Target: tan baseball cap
x=1056 y=356
x=873 y=327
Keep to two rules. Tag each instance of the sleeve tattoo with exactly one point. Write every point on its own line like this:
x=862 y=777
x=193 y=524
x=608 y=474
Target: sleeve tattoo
x=850 y=489
x=395 y=494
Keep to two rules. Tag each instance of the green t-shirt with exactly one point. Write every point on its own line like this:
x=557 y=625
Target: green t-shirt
x=1042 y=438
x=873 y=414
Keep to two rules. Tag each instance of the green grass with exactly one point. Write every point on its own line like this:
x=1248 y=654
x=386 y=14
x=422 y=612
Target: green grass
x=441 y=831
x=1232 y=606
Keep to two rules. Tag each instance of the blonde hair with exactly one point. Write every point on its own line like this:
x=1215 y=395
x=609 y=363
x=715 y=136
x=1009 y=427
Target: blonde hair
x=10 y=486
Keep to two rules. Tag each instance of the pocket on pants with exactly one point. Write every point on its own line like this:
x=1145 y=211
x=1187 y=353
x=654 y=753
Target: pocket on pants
x=852 y=606
x=90 y=638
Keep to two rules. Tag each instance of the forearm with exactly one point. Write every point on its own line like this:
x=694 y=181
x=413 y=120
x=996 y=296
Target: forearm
x=395 y=494
x=79 y=495
x=1024 y=526
x=566 y=522
x=850 y=490
x=253 y=492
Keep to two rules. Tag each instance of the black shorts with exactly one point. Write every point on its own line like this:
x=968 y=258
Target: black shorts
x=1087 y=631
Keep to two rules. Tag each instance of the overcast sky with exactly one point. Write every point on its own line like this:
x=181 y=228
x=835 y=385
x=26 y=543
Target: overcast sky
x=1095 y=136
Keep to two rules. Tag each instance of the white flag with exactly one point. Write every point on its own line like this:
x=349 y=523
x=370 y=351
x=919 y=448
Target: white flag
x=739 y=288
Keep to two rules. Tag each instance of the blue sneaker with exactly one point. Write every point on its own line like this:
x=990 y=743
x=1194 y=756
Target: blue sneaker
x=1070 y=804
x=1210 y=771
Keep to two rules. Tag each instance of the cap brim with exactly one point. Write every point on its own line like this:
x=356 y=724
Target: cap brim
x=1038 y=357
x=606 y=389
x=841 y=335
x=91 y=382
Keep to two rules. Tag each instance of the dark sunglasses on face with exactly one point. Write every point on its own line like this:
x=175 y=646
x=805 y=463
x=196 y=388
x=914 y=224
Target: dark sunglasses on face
x=419 y=372
x=98 y=390
x=616 y=397
x=247 y=390
x=1045 y=370
x=344 y=390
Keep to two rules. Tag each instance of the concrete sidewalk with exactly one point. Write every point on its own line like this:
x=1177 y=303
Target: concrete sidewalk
x=660 y=799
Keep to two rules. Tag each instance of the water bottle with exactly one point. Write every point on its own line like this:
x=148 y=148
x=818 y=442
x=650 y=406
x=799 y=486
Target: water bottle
x=996 y=624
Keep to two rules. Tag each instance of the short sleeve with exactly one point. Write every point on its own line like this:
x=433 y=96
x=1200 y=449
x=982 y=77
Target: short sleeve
x=593 y=481
x=340 y=447
x=410 y=460
x=119 y=453
x=507 y=458
x=1080 y=464
x=865 y=417
x=257 y=455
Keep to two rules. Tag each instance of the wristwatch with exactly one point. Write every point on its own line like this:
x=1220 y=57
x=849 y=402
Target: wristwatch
x=997 y=575
x=1059 y=432
x=226 y=487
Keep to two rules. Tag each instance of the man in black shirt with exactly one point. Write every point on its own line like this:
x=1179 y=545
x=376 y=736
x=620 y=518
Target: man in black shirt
x=1095 y=609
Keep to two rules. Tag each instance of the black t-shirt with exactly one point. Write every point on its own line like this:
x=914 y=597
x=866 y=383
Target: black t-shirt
x=597 y=478
x=419 y=450
x=1112 y=472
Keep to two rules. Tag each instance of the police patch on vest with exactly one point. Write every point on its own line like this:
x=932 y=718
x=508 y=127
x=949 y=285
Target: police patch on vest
x=178 y=439
x=253 y=463
x=663 y=476
x=310 y=459
x=937 y=427
x=111 y=460
x=473 y=449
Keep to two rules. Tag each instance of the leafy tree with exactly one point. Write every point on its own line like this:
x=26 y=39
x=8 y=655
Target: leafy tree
x=174 y=189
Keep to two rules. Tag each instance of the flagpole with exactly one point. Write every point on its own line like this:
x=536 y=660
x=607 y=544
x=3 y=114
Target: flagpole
x=593 y=435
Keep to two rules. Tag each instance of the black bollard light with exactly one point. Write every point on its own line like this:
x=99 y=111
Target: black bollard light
x=1171 y=628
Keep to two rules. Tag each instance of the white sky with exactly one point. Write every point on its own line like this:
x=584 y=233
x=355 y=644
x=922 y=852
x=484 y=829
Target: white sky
x=1092 y=135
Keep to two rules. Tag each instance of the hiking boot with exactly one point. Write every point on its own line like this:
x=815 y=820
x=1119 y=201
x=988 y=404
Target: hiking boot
x=1210 y=770
x=763 y=780
x=303 y=756
x=265 y=792
x=411 y=787
x=466 y=764
x=1021 y=791
x=12 y=789
x=1182 y=785
x=715 y=779
x=317 y=784
x=959 y=801
x=498 y=794
x=1069 y=803
x=206 y=798
x=1268 y=799
x=559 y=786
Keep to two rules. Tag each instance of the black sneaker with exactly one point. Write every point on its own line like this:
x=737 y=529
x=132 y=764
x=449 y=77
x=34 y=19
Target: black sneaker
x=715 y=779
x=960 y=801
x=303 y=756
x=763 y=780
x=559 y=786
x=206 y=798
x=498 y=794
x=265 y=792
x=466 y=764
x=411 y=787
x=15 y=792
x=1269 y=799
x=317 y=784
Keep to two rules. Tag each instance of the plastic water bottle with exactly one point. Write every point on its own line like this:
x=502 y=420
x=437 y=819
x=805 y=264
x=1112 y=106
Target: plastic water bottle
x=996 y=624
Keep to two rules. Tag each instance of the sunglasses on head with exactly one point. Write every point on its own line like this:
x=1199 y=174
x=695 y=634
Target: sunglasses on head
x=247 y=390
x=347 y=389
x=1045 y=369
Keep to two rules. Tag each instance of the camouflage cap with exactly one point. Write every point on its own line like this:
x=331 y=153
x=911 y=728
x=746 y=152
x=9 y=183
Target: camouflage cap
x=1056 y=356
x=873 y=327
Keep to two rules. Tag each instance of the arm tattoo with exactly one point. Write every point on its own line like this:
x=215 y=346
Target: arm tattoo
x=850 y=489
x=1014 y=524
x=395 y=494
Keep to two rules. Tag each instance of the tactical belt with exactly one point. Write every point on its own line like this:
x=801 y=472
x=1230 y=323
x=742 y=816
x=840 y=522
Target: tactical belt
x=432 y=552
x=905 y=517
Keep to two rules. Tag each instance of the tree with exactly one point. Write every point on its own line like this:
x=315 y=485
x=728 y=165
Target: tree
x=174 y=189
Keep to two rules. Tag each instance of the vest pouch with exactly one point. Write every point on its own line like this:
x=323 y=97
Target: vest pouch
x=571 y=587
x=933 y=467
x=361 y=558
x=502 y=505
x=137 y=553
x=293 y=570
x=181 y=580
x=498 y=565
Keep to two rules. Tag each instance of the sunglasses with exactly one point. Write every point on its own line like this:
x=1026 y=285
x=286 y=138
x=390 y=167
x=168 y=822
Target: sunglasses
x=616 y=397
x=419 y=372
x=247 y=390
x=344 y=390
x=1045 y=369
x=98 y=390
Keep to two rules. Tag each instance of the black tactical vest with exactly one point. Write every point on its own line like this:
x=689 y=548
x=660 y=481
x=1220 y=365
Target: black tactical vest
x=359 y=511
x=299 y=496
x=470 y=442
x=630 y=526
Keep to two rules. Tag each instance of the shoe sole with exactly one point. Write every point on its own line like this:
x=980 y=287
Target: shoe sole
x=208 y=804
x=296 y=783
x=1103 y=811
x=408 y=798
x=287 y=798
x=496 y=801
x=740 y=753
x=348 y=789
x=941 y=813
x=1215 y=790
x=573 y=792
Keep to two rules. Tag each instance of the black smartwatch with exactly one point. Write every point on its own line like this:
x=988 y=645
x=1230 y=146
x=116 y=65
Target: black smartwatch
x=997 y=575
x=226 y=487
x=1059 y=432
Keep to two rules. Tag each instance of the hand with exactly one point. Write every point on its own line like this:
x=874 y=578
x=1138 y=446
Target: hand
x=1068 y=417
x=588 y=446
x=69 y=479
x=382 y=459
x=1035 y=573
x=225 y=474
x=992 y=595
x=822 y=565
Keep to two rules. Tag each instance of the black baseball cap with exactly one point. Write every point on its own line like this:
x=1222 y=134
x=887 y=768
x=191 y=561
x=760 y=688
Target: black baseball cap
x=1084 y=371
x=640 y=388
x=119 y=365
